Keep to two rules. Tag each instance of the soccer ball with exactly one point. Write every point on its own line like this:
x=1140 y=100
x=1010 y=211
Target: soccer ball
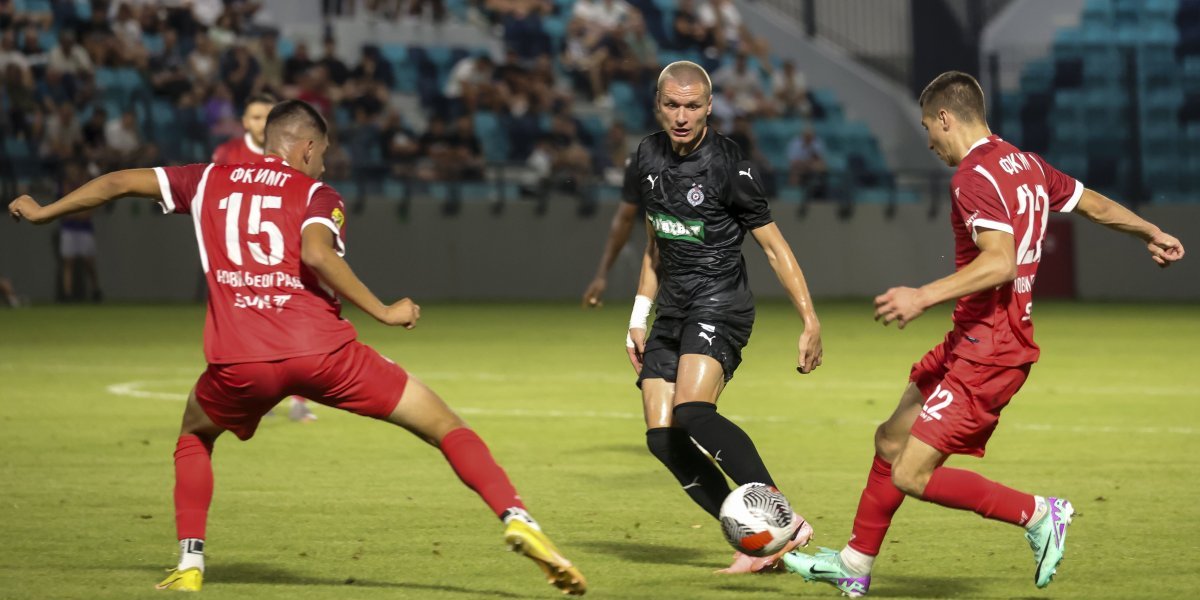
x=757 y=519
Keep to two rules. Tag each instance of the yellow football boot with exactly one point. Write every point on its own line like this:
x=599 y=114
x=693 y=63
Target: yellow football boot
x=187 y=580
x=523 y=538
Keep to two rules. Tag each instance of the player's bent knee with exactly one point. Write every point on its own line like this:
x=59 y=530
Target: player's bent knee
x=885 y=447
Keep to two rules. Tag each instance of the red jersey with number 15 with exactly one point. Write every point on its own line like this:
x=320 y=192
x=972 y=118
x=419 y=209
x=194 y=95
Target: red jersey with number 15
x=264 y=304
x=999 y=187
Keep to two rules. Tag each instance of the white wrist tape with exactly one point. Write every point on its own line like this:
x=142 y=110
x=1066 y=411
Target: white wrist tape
x=641 y=312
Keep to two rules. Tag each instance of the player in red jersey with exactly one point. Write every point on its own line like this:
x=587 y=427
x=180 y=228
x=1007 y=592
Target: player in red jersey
x=249 y=147
x=271 y=242
x=1001 y=200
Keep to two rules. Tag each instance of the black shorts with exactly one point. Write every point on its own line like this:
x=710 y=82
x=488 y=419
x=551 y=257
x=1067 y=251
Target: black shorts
x=671 y=338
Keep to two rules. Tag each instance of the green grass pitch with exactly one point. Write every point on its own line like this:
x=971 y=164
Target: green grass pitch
x=350 y=508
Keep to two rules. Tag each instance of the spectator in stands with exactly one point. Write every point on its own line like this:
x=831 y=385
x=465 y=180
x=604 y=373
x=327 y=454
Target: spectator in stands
x=35 y=55
x=22 y=104
x=127 y=36
x=806 y=163
x=297 y=64
x=203 y=60
x=373 y=67
x=437 y=162
x=169 y=69
x=743 y=134
x=467 y=152
x=468 y=80
x=223 y=34
x=723 y=21
x=741 y=85
x=270 y=64
x=523 y=31
x=125 y=145
x=583 y=59
x=240 y=72
x=571 y=160
x=790 y=90
x=604 y=16
x=62 y=136
x=219 y=113
x=315 y=89
x=616 y=151
x=401 y=147
x=94 y=144
x=635 y=59
x=9 y=53
x=336 y=70
x=689 y=33
x=362 y=141
x=68 y=57
x=97 y=37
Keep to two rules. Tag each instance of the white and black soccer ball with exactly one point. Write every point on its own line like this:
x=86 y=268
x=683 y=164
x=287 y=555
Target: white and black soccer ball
x=757 y=519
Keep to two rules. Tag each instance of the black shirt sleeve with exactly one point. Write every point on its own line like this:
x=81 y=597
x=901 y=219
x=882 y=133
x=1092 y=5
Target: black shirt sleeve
x=631 y=189
x=748 y=200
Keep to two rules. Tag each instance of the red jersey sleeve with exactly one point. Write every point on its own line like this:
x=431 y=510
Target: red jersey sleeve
x=221 y=154
x=178 y=186
x=1064 y=190
x=326 y=208
x=979 y=204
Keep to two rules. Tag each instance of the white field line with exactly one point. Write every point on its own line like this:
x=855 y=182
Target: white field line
x=136 y=389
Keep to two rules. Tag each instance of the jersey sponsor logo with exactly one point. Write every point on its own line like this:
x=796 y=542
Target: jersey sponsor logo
x=695 y=195
x=277 y=279
x=971 y=219
x=746 y=173
x=651 y=179
x=338 y=217
x=671 y=228
x=261 y=302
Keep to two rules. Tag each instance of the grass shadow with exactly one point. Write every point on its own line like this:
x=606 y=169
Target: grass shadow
x=928 y=587
x=269 y=574
x=649 y=553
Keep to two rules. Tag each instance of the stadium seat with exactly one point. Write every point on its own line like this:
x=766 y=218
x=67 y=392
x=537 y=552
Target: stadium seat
x=492 y=136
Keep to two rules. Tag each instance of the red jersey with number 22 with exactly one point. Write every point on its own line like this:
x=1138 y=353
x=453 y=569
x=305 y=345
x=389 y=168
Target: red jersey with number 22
x=264 y=304
x=999 y=187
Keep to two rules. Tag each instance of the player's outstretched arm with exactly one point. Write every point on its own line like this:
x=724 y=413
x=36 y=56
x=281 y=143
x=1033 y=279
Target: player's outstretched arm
x=783 y=262
x=317 y=253
x=618 y=236
x=1164 y=248
x=635 y=340
x=995 y=265
x=141 y=183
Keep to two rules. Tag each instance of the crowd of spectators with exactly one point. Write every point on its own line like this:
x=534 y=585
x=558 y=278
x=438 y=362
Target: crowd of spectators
x=200 y=60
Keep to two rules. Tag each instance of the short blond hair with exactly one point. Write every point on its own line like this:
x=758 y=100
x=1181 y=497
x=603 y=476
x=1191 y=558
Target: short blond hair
x=685 y=72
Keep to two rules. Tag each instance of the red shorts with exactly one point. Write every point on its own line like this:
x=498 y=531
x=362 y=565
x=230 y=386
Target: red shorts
x=354 y=377
x=963 y=399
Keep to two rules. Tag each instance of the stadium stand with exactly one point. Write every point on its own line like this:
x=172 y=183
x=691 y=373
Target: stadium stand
x=1125 y=82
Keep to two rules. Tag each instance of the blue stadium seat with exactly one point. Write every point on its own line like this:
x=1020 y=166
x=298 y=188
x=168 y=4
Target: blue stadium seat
x=492 y=136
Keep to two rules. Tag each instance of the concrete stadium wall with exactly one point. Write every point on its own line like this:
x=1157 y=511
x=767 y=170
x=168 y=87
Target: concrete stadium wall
x=518 y=255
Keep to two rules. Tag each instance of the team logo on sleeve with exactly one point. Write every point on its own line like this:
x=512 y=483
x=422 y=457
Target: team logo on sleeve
x=695 y=195
x=338 y=217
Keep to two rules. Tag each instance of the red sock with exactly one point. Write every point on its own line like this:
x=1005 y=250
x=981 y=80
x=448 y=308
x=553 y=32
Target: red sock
x=967 y=490
x=193 y=486
x=878 y=503
x=473 y=462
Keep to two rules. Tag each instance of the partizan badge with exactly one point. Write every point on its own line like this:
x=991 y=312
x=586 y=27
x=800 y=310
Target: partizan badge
x=695 y=195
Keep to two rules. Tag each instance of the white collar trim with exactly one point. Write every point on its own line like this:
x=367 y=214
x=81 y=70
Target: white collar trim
x=252 y=146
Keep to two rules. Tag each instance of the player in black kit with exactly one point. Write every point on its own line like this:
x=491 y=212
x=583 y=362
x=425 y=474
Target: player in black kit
x=701 y=197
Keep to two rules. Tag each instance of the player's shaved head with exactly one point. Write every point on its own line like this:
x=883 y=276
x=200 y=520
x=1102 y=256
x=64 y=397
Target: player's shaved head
x=686 y=73
x=292 y=121
x=957 y=93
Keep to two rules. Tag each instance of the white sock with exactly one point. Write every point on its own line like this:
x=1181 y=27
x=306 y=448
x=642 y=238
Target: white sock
x=1040 y=509
x=857 y=563
x=519 y=514
x=191 y=554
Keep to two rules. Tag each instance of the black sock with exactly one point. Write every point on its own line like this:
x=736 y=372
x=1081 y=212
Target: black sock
x=701 y=479
x=729 y=445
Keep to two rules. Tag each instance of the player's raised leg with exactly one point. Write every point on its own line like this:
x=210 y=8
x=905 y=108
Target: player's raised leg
x=422 y=412
x=850 y=569
x=193 y=495
x=919 y=474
